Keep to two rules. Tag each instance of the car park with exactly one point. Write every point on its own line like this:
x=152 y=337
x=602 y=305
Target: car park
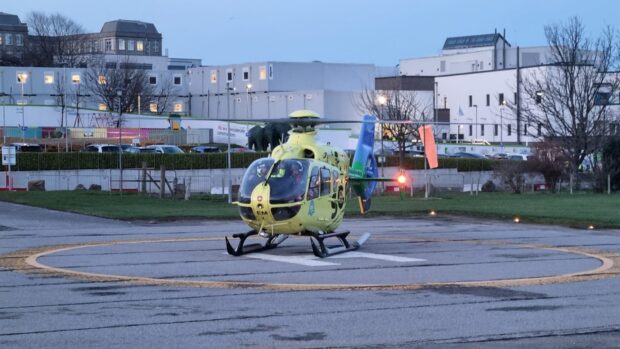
x=101 y=148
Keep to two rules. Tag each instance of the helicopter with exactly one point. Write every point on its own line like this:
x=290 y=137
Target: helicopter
x=300 y=189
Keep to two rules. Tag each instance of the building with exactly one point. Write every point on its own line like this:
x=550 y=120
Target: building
x=275 y=89
x=13 y=38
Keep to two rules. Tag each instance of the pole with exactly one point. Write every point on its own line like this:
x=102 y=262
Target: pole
x=119 y=93
x=228 y=149
x=23 y=111
x=139 y=119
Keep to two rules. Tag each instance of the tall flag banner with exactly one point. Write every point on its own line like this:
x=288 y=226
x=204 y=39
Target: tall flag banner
x=430 y=149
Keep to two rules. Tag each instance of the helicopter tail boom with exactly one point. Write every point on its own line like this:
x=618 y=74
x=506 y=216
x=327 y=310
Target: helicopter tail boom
x=364 y=172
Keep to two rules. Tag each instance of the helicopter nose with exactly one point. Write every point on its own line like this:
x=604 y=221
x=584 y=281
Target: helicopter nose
x=260 y=203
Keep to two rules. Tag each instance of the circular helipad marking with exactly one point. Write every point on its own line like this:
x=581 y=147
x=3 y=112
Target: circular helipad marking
x=27 y=261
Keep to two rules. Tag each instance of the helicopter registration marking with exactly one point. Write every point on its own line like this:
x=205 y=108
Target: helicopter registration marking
x=312 y=261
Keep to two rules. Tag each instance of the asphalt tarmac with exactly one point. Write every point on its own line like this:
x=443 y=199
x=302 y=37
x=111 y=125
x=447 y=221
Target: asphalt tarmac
x=74 y=281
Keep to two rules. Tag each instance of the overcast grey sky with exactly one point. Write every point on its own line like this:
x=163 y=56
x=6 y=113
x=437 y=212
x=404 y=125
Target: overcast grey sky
x=347 y=31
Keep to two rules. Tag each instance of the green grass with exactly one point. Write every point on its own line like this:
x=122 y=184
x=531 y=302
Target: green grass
x=578 y=210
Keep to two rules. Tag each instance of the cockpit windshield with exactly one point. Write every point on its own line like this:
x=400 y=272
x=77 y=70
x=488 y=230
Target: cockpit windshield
x=256 y=174
x=288 y=181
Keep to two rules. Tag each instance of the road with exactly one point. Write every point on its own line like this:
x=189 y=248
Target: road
x=82 y=282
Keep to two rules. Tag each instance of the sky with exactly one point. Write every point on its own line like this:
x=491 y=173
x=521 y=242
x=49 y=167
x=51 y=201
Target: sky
x=340 y=31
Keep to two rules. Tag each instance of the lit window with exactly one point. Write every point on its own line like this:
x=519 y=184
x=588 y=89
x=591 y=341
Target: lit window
x=262 y=72
x=130 y=45
x=153 y=80
x=121 y=44
x=102 y=79
x=9 y=39
x=178 y=107
x=140 y=45
x=48 y=78
x=22 y=77
x=75 y=78
x=213 y=76
x=177 y=79
x=103 y=107
x=229 y=75
x=246 y=73
x=19 y=40
x=153 y=107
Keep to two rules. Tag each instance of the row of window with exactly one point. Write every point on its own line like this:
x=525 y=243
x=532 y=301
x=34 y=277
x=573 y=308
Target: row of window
x=264 y=72
x=496 y=129
x=76 y=78
x=500 y=98
x=177 y=107
x=7 y=39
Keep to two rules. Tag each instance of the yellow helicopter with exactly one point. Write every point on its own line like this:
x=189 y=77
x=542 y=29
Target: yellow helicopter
x=300 y=189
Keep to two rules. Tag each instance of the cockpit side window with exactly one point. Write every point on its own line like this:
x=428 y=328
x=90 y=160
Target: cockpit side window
x=325 y=182
x=314 y=187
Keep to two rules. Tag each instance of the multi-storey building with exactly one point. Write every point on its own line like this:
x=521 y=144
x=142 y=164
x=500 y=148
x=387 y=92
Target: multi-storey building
x=13 y=38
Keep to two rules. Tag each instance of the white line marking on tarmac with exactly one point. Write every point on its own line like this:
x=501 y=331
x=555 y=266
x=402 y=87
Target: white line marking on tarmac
x=383 y=257
x=310 y=261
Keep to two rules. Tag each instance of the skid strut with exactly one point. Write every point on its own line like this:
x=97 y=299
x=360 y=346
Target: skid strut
x=321 y=250
x=272 y=242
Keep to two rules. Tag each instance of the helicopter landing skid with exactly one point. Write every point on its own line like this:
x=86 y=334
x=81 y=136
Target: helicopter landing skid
x=323 y=251
x=272 y=242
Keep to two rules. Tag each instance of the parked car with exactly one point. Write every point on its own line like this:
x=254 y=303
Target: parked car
x=241 y=150
x=26 y=147
x=101 y=148
x=499 y=156
x=131 y=150
x=165 y=149
x=464 y=155
x=517 y=157
x=204 y=149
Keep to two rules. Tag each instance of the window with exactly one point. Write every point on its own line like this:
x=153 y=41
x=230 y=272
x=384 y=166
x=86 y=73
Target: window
x=75 y=78
x=488 y=100
x=325 y=182
x=229 y=75
x=213 y=76
x=509 y=130
x=19 y=40
x=525 y=129
x=515 y=98
x=153 y=107
x=501 y=99
x=153 y=80
x=262 y=72
x=102 y=79
x=471 y=100
x=155 y=50
x=246 y=73
x=271 y=72
x=178 y=107
x=539 y=95
x=22 y=77
x=130 y=45
x=9 y=39
x=140 y=45
x=48 y=78
x=121 y=44
x=108 y=45
x=471 y=130
x=103 y=107
x=482 y=130
x=496 y=130
x=177 y=79
x=540 y=126
x=315 y=184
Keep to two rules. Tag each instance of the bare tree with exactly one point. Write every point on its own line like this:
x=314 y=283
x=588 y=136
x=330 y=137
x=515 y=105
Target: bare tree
x=118 y=85
x=55 y=40
x=395 y=106
x=570 y=97
x=164 y=92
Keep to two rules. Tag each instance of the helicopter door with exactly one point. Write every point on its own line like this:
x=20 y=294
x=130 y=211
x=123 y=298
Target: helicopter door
x=319 y=194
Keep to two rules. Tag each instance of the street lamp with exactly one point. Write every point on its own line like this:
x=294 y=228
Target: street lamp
x=476 y=124
x=382 y=100
x=2 y=94
x=228 y=89
x=119 y=94
x=22 y=78
x=248 y=89
x=501 y=124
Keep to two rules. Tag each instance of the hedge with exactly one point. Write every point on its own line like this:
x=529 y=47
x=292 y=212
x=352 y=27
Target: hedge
x=84 y=161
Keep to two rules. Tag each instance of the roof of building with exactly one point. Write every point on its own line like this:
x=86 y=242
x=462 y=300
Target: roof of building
x=126 y=26
x=472 y=41
x=9 y=19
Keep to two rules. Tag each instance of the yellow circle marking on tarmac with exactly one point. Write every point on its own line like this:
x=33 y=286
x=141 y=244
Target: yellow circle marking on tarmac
x=27 y=261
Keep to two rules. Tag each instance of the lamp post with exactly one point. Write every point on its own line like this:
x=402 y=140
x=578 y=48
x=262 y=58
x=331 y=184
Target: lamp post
x=476 y=124
x=382 y=102
x=229 y=184
x=248 y=88
x=22 y=78
x=119 y=94
x=2 y=94
x=501 y=124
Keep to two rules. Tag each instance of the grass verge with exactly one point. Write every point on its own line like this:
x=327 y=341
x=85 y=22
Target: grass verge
x=577 y=210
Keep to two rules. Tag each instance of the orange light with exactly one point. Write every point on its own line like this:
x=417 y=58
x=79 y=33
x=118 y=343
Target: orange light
x=402 y=179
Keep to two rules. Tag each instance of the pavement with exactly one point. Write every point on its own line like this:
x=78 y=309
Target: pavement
x=68 y=280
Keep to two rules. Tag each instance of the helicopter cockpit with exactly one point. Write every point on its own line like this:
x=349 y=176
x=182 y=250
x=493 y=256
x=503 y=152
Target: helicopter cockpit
x=287 y=180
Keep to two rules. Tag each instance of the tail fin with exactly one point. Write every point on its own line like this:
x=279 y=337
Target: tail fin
x=364 y=170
